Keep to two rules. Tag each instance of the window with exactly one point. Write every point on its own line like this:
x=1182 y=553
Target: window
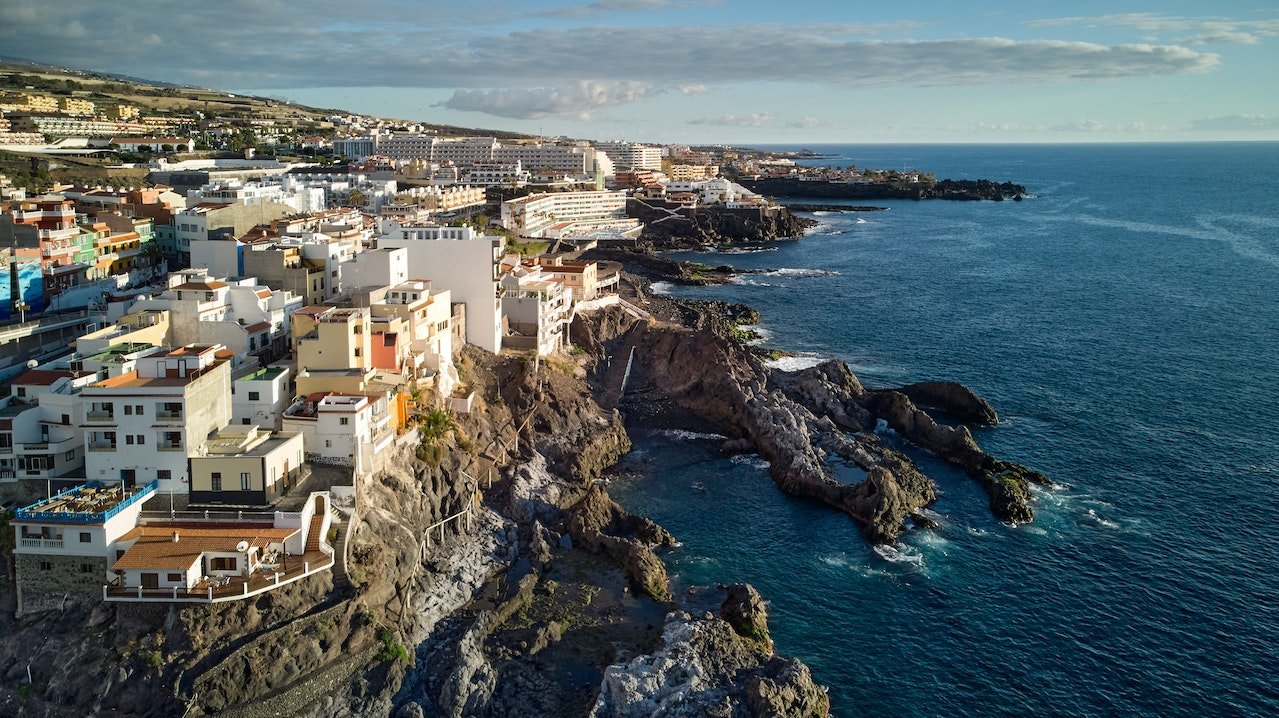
x=86 y=568
x=253 y=396
x=70 y=455
x=175 y=577
x=86 y=537
x=128 y=438
x=222 y=564
x=22 y=391
x=328 y=444
x=244 y=421
x=163 y=474
x=137 y=409
x=246 y=481
x=46 y=565
x=142 y=439
x=216 y=479
x=128 y=410
x=66 y=418
x=343 y=420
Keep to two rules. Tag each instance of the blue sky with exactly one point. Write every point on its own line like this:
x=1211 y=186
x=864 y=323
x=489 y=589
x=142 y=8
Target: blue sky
x=707 y=70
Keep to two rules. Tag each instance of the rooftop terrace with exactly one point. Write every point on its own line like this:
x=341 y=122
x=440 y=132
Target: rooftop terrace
x=89 y=503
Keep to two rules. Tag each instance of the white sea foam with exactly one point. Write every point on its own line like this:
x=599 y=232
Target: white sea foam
x=754 y=461
x=802 y=360
x=663 y=288
x=842 y=561
x=746 y=281
x=746 y=250
x=900 y=554
x=762 y=334
x=684 y=435
x=861 y=221
x=977 y=532
x=799 y=272
x=1101 y=521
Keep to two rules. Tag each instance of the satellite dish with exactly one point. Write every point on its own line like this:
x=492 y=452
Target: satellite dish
x=32 y=364
x=242 y=546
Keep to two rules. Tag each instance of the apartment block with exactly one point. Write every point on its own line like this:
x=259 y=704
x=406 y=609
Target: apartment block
x=142 y=425
x=462 y=262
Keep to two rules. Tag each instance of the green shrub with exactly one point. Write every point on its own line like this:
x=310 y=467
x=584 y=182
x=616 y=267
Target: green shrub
x=392 y=651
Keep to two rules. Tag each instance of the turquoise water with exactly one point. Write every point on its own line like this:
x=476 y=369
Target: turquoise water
x=1124 y=321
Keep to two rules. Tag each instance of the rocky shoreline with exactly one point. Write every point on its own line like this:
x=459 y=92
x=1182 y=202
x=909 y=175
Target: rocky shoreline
x=947 y=189
x=550 y=599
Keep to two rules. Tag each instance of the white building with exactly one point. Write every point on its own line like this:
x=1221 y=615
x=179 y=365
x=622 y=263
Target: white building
x=538 y=308
x=141 y=426
x=68 y=542
x=574 y=160
x=259 y=397
x=237 y=312
x=335 y=428
x=40 y=435
x=381 y=267
x=464 y=263
x=567 y=214
x=633 y=156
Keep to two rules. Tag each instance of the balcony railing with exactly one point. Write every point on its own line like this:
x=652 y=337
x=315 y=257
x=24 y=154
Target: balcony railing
x=168 y=416
x=101 y=447
x=168 y=447
x=40 y=543
x=100 y=416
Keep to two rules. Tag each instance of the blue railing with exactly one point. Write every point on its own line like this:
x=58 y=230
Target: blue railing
x=29 y=513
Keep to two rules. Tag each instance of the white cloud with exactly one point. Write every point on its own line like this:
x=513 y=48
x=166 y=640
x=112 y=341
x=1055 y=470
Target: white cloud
x=1236 y=123
x=758 y=119
x=578 y=100
x=601 y=7
x=318 y=52
x=1193 y=30
x=690 y=90
x=1089 y=125
x=805 y=123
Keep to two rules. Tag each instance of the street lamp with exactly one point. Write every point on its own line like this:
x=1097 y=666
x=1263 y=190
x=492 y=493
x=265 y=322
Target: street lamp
x=22 y=308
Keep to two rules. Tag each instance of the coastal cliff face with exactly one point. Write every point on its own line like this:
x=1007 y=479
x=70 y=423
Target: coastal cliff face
x=550 y=599
x=943 y=189
x=671 y=226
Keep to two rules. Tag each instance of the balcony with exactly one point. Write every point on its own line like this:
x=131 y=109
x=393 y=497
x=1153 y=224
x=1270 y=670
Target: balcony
x=168 y=416
x=101 y=446
x=99 y=416
x=39 y=543
x=169 y=447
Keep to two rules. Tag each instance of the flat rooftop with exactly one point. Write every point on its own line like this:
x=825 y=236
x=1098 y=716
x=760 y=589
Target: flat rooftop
x=266 y=373
x=116 y=353
x=92 y=502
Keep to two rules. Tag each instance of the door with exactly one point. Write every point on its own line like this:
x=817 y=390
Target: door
x=128 y=476
x=150 y=580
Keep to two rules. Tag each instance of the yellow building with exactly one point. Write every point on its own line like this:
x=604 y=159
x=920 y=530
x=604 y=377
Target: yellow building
x=683 y=173
x=123 y=112
x=75 y=106
x=38 y=103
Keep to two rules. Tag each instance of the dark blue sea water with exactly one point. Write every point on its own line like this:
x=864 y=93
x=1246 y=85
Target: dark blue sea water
x=1125 y=323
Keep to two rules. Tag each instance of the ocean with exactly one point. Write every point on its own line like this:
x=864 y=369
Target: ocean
x=1124 y=322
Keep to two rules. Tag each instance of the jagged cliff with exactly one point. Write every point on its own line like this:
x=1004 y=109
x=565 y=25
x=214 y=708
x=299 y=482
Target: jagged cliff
x=518 y=609
x=673 y=226
x=980 y=189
